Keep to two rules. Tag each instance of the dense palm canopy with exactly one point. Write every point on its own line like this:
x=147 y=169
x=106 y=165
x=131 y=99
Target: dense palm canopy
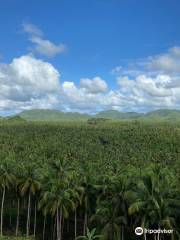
x=61 y=181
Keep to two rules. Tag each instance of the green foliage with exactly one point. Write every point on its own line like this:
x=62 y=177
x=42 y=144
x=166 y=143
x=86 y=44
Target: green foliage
x=52 y=115
x=15 y=118
x=97 y=120
x=62 y=178
x=113 y=114
x=163 y=115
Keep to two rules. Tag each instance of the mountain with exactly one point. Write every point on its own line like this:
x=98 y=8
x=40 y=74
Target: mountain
x=55 y=115
x=15 y=118
x=113 y=114
x=163 y=115
x=51 y=115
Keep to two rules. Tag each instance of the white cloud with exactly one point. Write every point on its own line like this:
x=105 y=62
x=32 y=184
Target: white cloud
x=175 y=51
x=28 y=82
x=47 y=48
x=117 y=69
x=146 y=92
x=79 y=99
x=167 y=63
x=41 y=45
x=149 y=83
x=32 y=29
x=139 y=94
x=94 y=85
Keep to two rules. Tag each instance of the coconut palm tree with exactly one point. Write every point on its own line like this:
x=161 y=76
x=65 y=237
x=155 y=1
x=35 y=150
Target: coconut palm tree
x=29 y=185
x=18 y=204
x=155 y=205
x=89 y=191
x=107 y=219
x=78 y=192
x=117 y=190
x=60 y=168
x=57 y=199
x=7 y=178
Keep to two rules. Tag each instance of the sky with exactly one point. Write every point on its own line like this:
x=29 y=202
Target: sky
x=89 y=55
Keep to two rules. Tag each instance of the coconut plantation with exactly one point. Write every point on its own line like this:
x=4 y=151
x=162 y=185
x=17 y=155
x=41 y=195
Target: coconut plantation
x=78 y=180
x=89 y=120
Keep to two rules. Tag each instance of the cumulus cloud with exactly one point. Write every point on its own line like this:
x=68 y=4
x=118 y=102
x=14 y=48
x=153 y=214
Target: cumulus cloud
x=47 y=48
x=155 y=87
x=167 y=63
x=150 y=83
x=80 y=99
x=139 y=94
x=94 y=85
x=28 y=82
x=144 y=93
x=41 y=45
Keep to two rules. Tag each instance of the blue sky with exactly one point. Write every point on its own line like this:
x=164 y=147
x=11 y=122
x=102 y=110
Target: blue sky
x=101 y=54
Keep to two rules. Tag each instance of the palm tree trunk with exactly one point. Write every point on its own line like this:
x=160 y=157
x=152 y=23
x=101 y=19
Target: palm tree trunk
x=24 y=205
x=54 y=229
x=35 y=217
x=10 y=219
x=85 y=223
x=57 y=227
x=44 y=227
x=2 y=209
x=28 y=216
x=112 y=232
x=122 y=233
x=17 y=220
x=60 y=225
x=75 y=224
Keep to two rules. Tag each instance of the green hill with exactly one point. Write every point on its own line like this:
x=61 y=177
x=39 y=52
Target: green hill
x=113 y=114
x=51 y=115
x=56 y=115
x=163 y=115
x=15 y=118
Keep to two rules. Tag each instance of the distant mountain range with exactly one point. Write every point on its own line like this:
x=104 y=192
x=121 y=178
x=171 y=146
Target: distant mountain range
x=113 y=114
x=52 y=115
x=55 y=115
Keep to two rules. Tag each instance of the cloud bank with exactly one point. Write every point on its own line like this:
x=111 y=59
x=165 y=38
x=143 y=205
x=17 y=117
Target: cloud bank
x=29 y=82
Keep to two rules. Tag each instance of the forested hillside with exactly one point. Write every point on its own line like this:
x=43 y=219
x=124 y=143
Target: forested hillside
x=56 y=115
x=51 y=115
x=58 y=179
